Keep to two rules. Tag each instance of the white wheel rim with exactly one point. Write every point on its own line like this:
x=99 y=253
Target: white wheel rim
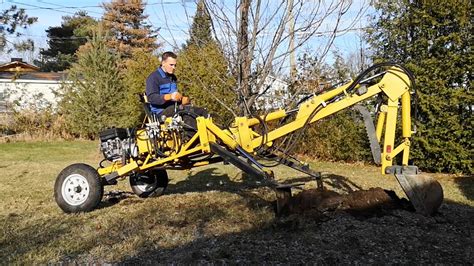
x=143 y=186
x=75 y=189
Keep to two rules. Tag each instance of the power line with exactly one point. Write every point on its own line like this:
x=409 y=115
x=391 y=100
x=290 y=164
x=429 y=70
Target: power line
x=95 y=6
x=54 y=38
x=62 y=6
x=40 y=7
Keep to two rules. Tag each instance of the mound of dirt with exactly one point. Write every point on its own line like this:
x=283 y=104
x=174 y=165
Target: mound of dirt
x=362 y=202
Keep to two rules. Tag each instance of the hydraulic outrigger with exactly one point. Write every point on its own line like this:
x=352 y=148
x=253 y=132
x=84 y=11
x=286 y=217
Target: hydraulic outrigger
x=144 y=154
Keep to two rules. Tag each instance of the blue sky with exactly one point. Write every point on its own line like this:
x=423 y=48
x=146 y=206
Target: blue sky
x=173 y=17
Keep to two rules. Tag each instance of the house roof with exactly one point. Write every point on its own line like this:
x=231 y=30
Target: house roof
x=52 y=76
x=18 y=66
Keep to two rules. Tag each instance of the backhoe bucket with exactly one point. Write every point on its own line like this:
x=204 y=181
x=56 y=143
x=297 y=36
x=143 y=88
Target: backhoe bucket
x=424 y=192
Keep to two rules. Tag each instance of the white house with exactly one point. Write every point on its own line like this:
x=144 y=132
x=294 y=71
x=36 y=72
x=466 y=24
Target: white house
x=274 y=94
x=22 y=85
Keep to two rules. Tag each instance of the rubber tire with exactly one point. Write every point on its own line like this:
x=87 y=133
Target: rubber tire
x=96 y=189
x=156 y=189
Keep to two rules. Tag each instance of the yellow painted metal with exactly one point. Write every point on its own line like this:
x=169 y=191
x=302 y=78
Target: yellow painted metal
x=344 y=103
x=170 y=158
x=200 y=163
x=269 y=117
x=212 y=137
x=306 y=111
x=403 y=147
x=244 y=134
x=191 y=141
x=406 y=115
x=127 y=168
x=406 y=151
x=389 y=139
x=381 y=122
x=109 y=169
x=143 y=143
x=394 y=83
x=307 y=107
x=204 y=140
x=398 y=149
x=332 y=93
x=222 y=135
x=148 y=157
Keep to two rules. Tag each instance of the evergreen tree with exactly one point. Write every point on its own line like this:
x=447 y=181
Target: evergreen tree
x=138 y=67
x=341 y=136
x=65 y=40
x=200 y=33
x=434 y=40
x=128 y=30
x=91 y=101
x=10 y=20
x=204 y=75
x=203 y=71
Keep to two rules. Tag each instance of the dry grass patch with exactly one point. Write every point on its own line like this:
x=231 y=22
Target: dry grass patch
x=203 y=203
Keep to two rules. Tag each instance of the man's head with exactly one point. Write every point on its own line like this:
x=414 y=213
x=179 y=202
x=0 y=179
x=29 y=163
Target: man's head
x=168 y=62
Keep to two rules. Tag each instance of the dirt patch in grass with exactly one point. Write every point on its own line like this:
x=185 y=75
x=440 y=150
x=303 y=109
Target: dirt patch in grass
x=374 y=201
x=390 y=234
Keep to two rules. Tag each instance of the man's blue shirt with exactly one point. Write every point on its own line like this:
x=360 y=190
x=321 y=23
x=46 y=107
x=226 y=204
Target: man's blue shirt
x=158 y=84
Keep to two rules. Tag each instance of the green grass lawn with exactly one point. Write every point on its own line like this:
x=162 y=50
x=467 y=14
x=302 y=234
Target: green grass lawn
x=207 y=201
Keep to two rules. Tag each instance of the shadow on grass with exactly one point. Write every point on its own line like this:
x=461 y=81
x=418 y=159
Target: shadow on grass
x=336 y=238
x=211 y=179
x=111 y=198
x=466 y=185
x=340 y=183
x=68 y=235
x=401 y=236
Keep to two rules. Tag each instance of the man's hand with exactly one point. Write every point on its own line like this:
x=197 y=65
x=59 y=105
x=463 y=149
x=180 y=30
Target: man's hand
x=185 y=100
x=175 y=97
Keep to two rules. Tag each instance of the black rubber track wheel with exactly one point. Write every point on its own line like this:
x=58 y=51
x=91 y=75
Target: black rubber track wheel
x=152 y=183
x=78 y=188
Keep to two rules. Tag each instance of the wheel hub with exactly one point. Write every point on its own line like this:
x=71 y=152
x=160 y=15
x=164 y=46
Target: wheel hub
x=145 y=183
x=75 y=189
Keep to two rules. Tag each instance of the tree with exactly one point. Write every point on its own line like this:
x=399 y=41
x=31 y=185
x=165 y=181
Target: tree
x=92 y=100
x=200 y=33
x=128 y=30
x=203 y=70
x=434 y=40
x=204 y=75
x=255 y=38
x=65 y=40
x=341 y=136
x=138 y=67
x=10 y=20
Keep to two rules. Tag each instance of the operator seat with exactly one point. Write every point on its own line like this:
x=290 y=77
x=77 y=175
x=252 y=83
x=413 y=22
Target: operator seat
x=152 y=117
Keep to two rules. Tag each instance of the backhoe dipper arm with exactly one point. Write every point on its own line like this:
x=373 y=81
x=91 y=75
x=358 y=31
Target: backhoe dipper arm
x=424 y=192
x=395 y=84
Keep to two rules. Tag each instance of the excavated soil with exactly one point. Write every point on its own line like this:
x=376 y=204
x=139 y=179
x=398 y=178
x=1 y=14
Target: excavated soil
x=374 y=201
x=323 y=227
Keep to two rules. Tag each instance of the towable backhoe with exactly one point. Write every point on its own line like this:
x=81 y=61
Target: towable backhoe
x=144 y=154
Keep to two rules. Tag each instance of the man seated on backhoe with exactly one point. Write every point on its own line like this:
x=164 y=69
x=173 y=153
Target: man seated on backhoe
x=163 y=95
